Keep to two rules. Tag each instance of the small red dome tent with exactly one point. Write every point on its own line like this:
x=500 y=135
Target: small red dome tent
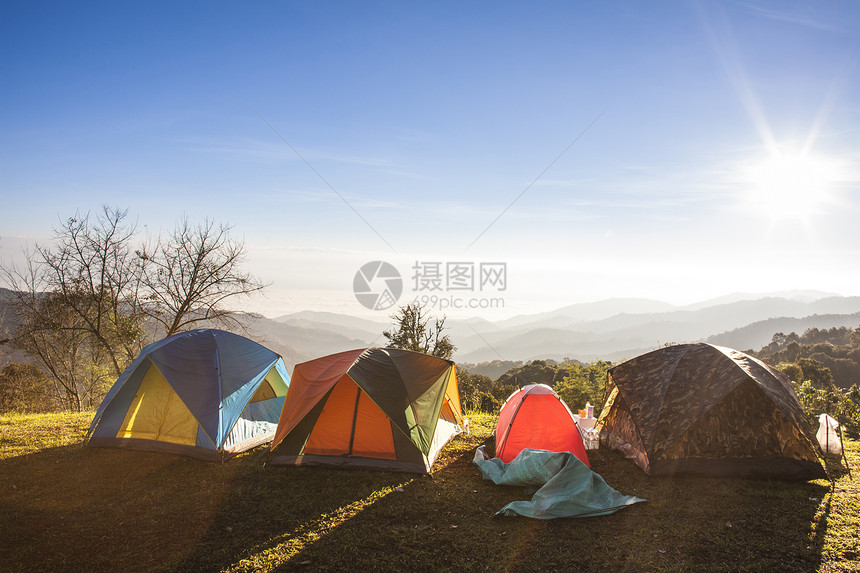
x=535 y=417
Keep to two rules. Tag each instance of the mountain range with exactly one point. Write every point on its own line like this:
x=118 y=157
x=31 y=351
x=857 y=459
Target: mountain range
x=612 y=329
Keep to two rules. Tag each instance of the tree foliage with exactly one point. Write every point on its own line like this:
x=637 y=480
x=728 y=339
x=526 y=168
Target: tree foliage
x=584 y=383
x=837 y=349
x=575 y=383
x=23 y=387
x=824 y=368
x=533 y=372
x=476 y=392
x=413 y=331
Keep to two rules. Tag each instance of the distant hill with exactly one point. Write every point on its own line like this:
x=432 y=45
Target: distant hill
x=301 y=339
x=8 y=324
x=613 y=329
x=333 y=321
x=795 y=295
x=755 y=336
x=587 y=312
x=492 y=369
x=625 y=335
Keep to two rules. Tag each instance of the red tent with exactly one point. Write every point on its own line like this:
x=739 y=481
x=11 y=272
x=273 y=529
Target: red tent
x=535 y=417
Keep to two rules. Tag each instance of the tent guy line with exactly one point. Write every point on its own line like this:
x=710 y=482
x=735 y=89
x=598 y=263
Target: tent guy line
x=478 y=334
x=324 y=180
x=536 y=179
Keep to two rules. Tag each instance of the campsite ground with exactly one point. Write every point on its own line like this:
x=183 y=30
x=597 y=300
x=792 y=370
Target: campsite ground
x=68 y=507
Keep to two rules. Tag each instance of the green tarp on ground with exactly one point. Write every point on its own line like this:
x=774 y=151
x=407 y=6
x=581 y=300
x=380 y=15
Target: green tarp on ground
x=568 y=488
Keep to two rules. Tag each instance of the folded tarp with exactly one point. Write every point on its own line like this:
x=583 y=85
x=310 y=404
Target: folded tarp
x=568 y=488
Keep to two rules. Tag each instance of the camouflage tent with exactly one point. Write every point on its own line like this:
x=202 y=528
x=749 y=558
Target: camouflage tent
x=704 y=409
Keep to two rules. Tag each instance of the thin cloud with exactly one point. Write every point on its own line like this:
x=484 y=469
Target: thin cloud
x=273 y=152
x=805 y=20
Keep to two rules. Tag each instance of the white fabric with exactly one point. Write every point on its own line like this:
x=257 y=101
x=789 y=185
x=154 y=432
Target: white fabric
x=828 y=435
x=445 y=430
x=249 y=433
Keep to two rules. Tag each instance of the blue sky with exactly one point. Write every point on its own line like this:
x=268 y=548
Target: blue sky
x=431 y=119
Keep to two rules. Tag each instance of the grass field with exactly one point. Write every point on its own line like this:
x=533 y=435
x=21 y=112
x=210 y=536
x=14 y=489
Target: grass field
x=68 y=507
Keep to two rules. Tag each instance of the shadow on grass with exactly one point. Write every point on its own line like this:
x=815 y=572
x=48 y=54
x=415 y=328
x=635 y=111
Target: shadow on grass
x=700 y=524
x=77 y=508
x=102 y=509
x=836 y=466
x=73 y=507
x=270 y=513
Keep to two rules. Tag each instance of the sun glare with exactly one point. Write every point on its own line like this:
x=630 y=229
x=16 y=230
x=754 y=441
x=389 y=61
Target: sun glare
x=791 y=187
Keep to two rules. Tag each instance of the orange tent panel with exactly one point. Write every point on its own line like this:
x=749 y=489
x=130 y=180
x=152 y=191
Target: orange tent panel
x=309 y=384
x=347 y=428
x=373 y=436
x=332 y=430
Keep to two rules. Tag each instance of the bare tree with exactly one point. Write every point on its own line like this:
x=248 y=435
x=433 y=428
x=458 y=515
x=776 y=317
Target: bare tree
x=75 y=303
x=71 y=358
x=413 y=332
x=88 y=302
x=187 y=277
x=93 y=268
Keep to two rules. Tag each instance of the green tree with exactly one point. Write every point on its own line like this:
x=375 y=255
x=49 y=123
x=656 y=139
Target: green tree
x=414 y=331
x=792 y=370
x=24 y=388
x=818 y=375
x=584 y=384
x=533 y=372
x=475 y=391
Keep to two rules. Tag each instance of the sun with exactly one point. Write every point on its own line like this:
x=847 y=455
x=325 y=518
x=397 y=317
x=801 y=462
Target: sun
x=791 y=186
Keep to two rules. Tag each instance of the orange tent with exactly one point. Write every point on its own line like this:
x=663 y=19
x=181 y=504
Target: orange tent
x=380 y=408
x=535 y=417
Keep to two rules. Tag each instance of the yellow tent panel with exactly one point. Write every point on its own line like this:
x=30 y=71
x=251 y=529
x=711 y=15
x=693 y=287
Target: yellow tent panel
x=157 y=413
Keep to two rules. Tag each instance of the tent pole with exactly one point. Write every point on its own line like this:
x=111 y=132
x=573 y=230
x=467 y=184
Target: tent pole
x=354 y=419
x=842 y=443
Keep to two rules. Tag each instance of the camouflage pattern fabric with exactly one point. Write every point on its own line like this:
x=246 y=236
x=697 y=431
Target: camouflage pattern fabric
x=699 y=408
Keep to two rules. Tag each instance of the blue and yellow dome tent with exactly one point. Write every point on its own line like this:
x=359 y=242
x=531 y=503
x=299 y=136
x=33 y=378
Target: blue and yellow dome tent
x=205 y=393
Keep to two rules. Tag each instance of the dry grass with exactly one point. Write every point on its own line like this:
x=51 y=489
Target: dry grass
x=68 y=507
